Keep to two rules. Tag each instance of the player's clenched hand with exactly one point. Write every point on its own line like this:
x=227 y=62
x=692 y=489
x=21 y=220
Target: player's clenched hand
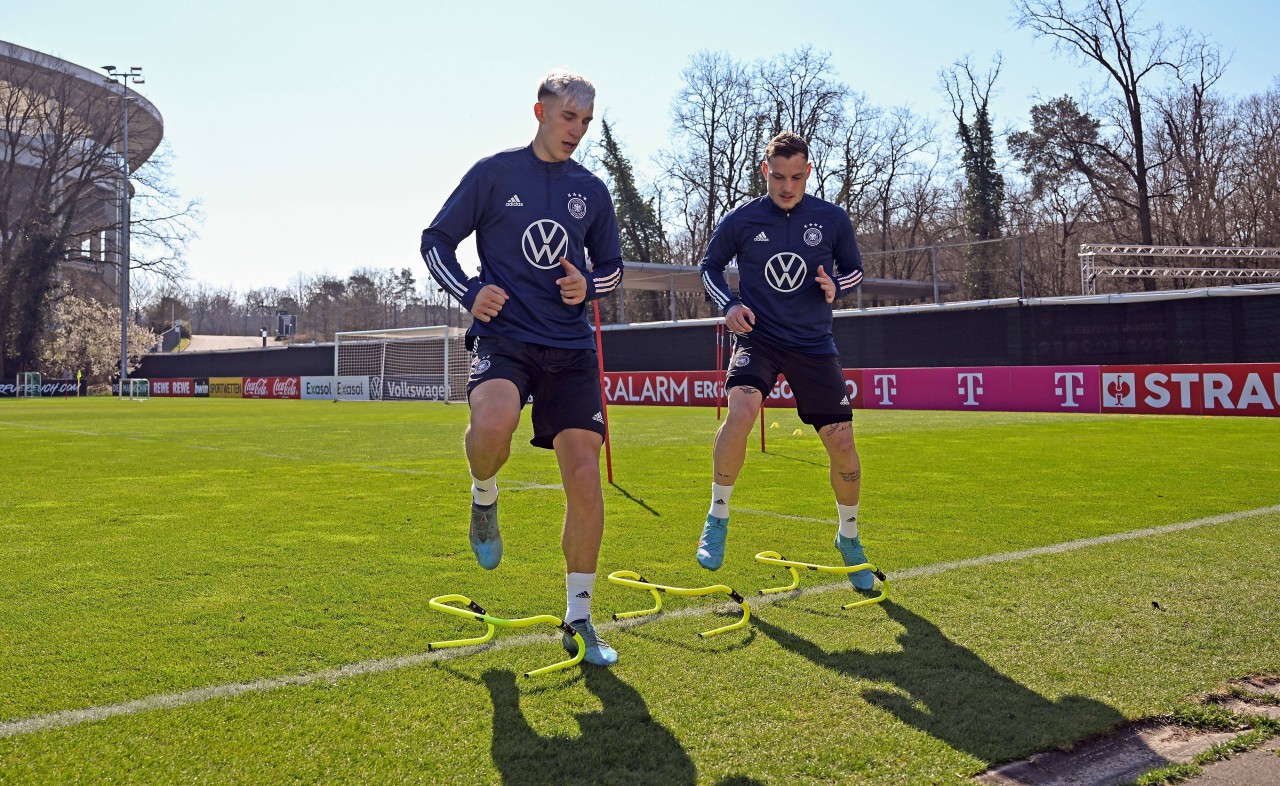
x=488 y=302
x=739 y=319
x=828 y=286
x=573 y=287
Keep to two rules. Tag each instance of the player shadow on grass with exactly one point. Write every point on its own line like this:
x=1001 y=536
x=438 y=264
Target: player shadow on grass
x=634 y=499
x=956 y=696
x=620 y=743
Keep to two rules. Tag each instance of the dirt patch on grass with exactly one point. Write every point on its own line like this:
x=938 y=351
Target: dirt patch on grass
x=1138 y=748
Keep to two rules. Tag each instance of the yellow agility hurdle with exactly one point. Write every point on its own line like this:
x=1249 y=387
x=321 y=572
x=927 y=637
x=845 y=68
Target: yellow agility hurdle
x=476 y=612
x=629 y=578
x=774 y=558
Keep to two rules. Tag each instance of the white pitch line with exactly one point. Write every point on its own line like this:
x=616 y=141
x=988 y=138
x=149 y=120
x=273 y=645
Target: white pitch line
x=771 y=514
x=509 y=485
x=67 y=718
x=49 y=428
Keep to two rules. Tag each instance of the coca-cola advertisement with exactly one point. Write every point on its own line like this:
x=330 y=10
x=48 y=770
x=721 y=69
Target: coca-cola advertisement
x=272 y=387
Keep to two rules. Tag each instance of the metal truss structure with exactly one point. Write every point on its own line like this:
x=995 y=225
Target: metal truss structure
x=1146 y=266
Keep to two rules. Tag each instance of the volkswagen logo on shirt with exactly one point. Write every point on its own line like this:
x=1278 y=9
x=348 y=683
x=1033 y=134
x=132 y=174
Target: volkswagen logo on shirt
x=785 y=271
x=544 y=242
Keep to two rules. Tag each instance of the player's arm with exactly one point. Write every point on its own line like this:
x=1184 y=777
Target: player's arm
x=847 y=273
x=606 y=252
x=456 y=220
x=720 y=251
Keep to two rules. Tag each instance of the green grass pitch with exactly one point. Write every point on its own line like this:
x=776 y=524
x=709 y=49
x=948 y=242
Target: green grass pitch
x=243 y=586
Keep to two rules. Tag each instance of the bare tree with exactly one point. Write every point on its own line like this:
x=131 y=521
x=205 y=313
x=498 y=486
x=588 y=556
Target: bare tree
x=802 y=94
x=1104 y=32
x=57 y=151
x=1194 y=139
x=60 y=169
x=717 y=123
x=1255 y=171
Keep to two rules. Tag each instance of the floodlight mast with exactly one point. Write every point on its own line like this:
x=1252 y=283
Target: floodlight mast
x=123 y=78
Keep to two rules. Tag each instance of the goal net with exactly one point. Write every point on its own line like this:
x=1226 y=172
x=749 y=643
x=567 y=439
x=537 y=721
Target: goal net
x=405 y=364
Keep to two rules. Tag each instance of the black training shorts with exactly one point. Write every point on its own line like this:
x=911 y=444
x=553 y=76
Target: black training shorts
x=564 y=383
x=816 y=381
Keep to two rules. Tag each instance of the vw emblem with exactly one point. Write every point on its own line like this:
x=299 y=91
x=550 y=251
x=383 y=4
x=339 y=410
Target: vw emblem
x=577 y=206
x=812 y=235
x=785 y=271
x=544 y=242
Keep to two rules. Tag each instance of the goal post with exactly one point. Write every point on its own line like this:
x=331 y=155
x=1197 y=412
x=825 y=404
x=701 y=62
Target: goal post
x=136 y=389
x=28 y=384
x=401 y=364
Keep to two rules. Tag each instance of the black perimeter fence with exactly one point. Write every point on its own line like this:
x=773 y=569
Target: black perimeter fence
x=1215 y=325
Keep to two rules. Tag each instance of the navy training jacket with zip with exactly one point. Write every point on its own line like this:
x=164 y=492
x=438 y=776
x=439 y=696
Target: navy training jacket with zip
x=527 y=213
x=778 y=255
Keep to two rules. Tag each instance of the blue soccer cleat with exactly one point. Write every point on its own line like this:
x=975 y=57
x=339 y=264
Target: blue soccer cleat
x=851 y=551
x=598 y=653
x=711 y=546
x=486 y=540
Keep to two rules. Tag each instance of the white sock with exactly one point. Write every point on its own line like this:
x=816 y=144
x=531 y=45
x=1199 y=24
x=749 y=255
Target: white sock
x=578 y=588
x=720 y=500
x=484 y=492
x=848 y=519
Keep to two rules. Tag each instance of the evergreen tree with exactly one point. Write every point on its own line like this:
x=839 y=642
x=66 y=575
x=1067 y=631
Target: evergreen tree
x=984 y=185
x=638 y=227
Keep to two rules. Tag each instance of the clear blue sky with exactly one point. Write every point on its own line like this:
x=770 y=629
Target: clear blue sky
x=323 y=136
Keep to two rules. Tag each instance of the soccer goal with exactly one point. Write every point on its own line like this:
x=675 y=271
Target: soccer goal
x=28 y=384
x=404 y=364
x=136 y=389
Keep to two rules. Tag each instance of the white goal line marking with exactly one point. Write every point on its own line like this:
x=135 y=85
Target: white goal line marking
x=67 y=718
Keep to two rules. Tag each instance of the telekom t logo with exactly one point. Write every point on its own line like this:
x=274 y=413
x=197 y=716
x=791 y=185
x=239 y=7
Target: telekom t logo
x=885 y=385
x=970 y=386
x=1068 y=385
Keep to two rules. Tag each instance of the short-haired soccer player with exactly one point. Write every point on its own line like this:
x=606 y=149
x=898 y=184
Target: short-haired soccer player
x=536 y=214
x=796 y=254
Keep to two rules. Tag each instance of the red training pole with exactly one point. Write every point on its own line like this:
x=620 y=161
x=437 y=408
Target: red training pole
x=720 y=367
x=604 y=398
x=764 y=399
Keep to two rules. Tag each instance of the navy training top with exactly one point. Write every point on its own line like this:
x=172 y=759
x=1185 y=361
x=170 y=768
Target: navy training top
x=527 y=213
x=778 y=255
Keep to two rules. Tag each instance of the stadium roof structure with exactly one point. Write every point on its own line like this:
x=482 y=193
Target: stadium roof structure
x=659 y=277
x=146 y=126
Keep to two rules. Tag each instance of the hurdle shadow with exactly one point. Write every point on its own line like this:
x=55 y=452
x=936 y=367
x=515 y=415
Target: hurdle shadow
x=620 y=743
x=954 y=695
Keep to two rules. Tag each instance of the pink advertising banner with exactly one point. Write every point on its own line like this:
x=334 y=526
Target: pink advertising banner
x=997 y=388
x=1226 y=389
x=990 y=388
